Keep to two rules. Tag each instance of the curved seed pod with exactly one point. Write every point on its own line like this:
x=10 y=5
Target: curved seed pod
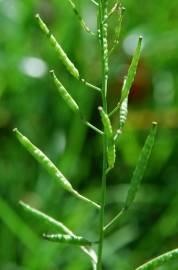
x=158 y=261
x=67 y=239
x=50 y=167
x=131 y=72
x=44 y=219
x=111 y=154
x=52 y=223
x=106 y=123
x=123 y=113
x=81 y=21
x=44 y=161
x=60 y=52
x=141 y=166
x=65 y=95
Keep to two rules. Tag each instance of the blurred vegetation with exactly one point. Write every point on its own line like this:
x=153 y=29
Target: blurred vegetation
x=29 y=100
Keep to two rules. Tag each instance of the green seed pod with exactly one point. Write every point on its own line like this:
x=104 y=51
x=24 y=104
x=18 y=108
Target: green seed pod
x=141 y=166
x=65 y=95
x=123 y=112
x=51 y=168
x=131 y=72
x=60 y=52
x=159 y=261
x=44 y=219
x=106 y=123
x=111 y=154
x=44 y=161
x=67 y=239
x=54 y=224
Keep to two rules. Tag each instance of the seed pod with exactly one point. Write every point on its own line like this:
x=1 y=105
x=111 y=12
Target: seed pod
x=50 y=167
x=60 y=52
x=123 y=112
x=81 y=21
x=106 y=123
x=44 y=161
x=158 y=261
x=65 y=95
x=131 y=72
x=111 y=154
x=67 y=239
x=42 y=218
x=141 y=166
x=52 y=223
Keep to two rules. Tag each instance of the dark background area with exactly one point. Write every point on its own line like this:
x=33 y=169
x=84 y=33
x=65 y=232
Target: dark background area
x=29 y=101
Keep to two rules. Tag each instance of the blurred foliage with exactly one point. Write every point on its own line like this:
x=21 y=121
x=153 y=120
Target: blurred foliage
x=29 y=101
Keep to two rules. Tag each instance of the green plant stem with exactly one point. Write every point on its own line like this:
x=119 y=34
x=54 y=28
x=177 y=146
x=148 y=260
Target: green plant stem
x=104 y=58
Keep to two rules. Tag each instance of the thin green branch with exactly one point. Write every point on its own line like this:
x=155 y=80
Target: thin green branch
x=90 y=85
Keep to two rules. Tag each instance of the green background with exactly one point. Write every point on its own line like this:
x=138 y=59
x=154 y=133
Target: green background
x=29 y=101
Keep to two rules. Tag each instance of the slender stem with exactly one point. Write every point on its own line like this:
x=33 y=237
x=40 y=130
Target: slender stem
x=116 y=218
x=103 y=13
x=90 y=85
x=115 y=109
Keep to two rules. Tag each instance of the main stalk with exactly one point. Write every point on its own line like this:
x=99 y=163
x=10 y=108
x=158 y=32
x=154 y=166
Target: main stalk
x=102 y=31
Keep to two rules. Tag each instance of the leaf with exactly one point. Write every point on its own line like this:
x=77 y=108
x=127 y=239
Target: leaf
x=131 y=72
x=60 y=52
x=67 y=239
x=141 y=166
x=158 y=261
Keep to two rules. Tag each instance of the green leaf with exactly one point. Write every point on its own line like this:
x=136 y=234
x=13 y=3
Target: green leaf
x=158 y=261
x=131 y=72
x=141 y=166
x=67 y=239
x=60 y=52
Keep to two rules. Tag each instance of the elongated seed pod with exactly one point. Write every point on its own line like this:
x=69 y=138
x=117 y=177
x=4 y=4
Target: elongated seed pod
x=45 y=219
x=53 y=223
x=44 y=161
x=141 y=166
x=81 y=21
x=64 y=94
x=67 y=239
x=50 y=167
x=60 y=52
x=111 y=154
x=131 y=72
x=106 y=123
x=158 y=261
x=123 y=113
